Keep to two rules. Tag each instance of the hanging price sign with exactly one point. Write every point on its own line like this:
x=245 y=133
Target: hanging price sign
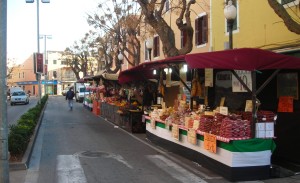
x=175 y=131
x=210 y=142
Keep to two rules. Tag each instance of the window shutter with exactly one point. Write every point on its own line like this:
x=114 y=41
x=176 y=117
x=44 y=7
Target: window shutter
x=181 y=38
x=197 y=31
x=158 y=46
x=201 y=30
x=205 y=29
x=146 y=52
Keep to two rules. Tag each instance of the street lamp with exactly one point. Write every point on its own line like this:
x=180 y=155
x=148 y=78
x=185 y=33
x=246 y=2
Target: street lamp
x=120 y=57
x=230 y=15
x=38 y=37
x=149 y=45
x=45 y=37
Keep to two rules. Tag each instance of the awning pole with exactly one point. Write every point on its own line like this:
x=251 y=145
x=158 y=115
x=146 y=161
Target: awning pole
x=267 y=81
x=254 y=111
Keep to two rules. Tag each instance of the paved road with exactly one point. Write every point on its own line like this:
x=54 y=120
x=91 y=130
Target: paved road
x=77 y=146
x=16 y=111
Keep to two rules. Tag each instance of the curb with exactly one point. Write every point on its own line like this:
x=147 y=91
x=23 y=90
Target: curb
x=23 y=165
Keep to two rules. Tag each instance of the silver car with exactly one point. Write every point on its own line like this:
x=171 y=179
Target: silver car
x=19 y=97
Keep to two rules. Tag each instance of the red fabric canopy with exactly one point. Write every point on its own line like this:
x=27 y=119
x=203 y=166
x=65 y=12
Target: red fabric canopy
x=242 y=59
x=238 y=59
x=145 y=70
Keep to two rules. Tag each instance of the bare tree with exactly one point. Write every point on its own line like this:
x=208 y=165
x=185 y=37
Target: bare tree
x=78 y=58
x=291 y=24
x=153 y=11
x=118 y=23
x=11 y=65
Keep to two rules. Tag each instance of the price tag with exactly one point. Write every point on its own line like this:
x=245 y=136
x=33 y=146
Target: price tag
x=175 y=131
x=153 y=123
x=210 y=142
x=192 y=136
x=224 y=110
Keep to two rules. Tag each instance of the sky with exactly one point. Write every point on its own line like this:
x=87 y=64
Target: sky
x=64 y=20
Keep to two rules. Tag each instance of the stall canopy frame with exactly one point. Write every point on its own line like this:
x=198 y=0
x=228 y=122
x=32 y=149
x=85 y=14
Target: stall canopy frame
x=144 y=71
x=250 y=59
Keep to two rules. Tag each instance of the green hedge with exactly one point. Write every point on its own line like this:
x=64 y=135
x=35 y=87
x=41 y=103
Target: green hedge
x=20 y=134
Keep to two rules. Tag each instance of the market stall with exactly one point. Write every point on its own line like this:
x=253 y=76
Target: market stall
x=239 y=146
x=275 y=87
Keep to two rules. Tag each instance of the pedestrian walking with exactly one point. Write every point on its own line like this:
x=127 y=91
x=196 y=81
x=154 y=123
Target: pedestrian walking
x=69 y=96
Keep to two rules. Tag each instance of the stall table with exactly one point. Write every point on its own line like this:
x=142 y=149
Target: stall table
x=131 y=120
x=236 y=160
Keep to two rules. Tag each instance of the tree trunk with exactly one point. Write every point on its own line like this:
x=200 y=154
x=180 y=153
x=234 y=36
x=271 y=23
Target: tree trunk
x=287 y=19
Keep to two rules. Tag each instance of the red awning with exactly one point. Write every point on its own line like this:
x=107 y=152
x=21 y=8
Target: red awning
x=242 y=59
x=145 y=70
x=238 y=59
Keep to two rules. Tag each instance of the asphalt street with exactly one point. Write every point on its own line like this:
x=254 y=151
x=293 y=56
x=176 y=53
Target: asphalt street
x=78 y=146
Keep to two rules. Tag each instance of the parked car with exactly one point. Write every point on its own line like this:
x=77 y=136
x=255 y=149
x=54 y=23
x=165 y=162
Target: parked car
x=12 y=90
x=19 y=97
x=64 y=92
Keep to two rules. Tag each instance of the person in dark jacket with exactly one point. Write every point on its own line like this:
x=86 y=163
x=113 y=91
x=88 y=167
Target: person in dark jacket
x=69 y=96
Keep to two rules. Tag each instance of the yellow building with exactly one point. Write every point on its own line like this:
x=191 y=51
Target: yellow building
x=257 y=26
x=200 y=22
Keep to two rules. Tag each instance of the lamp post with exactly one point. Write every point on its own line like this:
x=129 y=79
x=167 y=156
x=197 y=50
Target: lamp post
x=230 y=15
x=38 y=76
x=45 y=37
x=149 y=45
x=4 y=159
x=120 y=57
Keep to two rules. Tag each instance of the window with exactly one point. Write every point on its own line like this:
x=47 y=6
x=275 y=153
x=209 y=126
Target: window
x=183 y=38
x=156 y=46
x=54 y=74
x=23 y=75
x=201 y=30
x=63 y=62
x=146 y=52
x=289 y=2
x=19 y=75
x=54 y=62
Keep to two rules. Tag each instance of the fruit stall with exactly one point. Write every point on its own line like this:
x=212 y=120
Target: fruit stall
x=228 y=125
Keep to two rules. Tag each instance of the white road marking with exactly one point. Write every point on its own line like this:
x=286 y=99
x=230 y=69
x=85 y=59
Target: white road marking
x=175 y=170
x=69 y=169
x=120 y=159
x=117 y=157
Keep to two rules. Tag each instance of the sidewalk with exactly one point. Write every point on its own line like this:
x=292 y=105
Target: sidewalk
x=19 y=176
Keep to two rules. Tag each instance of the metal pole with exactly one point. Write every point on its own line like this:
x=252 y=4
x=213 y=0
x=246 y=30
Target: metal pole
x=254 y=105
x=45 y=58
x=38 y=44
x=230 y=27
x=4 y=168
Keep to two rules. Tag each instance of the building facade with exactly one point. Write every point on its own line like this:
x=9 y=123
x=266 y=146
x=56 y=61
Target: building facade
x=256 y=26
x=57 y=78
